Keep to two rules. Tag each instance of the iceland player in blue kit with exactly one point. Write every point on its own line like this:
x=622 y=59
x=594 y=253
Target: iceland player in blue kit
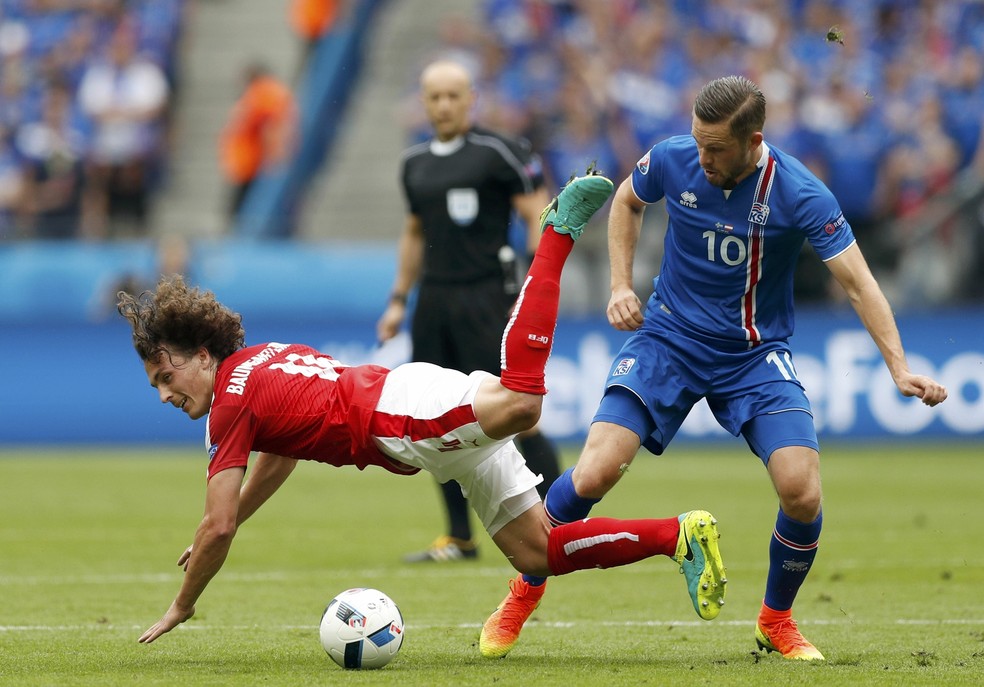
x=717 y=326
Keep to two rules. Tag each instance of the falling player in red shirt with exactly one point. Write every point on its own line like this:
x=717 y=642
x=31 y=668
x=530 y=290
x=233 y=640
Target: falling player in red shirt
x=288 y=402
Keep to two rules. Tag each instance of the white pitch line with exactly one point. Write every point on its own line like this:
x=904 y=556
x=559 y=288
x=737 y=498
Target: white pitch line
x=466 y=626
x=267 y=576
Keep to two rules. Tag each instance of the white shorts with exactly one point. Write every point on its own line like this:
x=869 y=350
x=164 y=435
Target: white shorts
x=435 y=429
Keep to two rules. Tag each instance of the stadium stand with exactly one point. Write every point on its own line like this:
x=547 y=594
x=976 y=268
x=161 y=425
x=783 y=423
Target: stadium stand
x=851 y=83
x=883 y=98
x=98 y=154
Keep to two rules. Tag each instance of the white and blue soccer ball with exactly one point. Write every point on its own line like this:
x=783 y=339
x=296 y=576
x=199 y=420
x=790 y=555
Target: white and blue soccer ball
x=361 y=629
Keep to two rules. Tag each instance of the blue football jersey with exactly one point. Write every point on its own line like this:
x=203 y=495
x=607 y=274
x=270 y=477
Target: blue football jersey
x=729 y=259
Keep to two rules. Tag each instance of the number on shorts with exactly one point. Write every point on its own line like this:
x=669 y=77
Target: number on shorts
x=784 y=363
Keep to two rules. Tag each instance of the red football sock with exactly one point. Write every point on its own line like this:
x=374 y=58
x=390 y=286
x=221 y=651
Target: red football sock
x=607 y=542
x=528 y=337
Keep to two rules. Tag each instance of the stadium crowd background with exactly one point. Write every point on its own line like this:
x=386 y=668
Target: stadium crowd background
x=86 y=88
x=883 y=99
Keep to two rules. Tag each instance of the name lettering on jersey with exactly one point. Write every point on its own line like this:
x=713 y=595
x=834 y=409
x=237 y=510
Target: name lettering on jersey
x=689 y=199
x=759 y=213
x=240 y=375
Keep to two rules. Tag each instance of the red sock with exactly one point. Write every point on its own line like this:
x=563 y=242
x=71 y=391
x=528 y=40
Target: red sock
x=607 y=542
x=528 y=337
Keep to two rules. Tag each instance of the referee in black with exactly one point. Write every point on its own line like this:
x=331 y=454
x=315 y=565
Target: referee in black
x=461 y=188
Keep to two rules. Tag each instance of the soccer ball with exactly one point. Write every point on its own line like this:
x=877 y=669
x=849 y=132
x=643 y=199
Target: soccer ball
x=362 y=628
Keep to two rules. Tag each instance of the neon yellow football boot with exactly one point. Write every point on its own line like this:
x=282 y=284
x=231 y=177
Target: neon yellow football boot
x=700 y=562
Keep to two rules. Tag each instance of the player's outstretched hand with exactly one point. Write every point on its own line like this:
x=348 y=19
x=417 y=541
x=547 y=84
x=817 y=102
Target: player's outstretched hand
x=625 y=310
x=174 y=617
x=929 y=390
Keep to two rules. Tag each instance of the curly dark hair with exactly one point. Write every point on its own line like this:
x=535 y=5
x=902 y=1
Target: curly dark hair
x=732 y=99
x=177 y=318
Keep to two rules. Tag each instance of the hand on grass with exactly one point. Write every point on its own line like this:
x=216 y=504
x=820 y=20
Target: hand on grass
x=174 y=617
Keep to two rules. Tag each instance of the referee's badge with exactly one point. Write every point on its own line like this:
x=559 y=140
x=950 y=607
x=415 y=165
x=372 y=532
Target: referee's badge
x=463 y=205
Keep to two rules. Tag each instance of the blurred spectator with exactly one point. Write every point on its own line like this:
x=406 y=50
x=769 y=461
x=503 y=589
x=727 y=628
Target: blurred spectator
x=962 y=98
x=159 y=26
x=14 y=100
x=53 y=148
x=259 y=133
x=310 y=20
x=578 y=139
x=113 y=109
x=11 y=186
x=645 y=82
x=851 y=146
x=922 y=162
x=126 y=96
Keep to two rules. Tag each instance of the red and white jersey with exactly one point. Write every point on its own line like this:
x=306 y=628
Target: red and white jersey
x=291 y=400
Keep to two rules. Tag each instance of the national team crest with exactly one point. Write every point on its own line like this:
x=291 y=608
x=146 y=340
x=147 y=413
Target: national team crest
x=759 y=213
x=463 y=205
x=643 y=164
x=623 y=367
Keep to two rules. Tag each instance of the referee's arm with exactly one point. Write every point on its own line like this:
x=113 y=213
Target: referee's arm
x=529 y=206
x=409 y=259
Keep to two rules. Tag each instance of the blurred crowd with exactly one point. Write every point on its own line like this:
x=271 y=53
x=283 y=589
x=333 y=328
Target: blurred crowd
x=87 y=88
x=883 y=99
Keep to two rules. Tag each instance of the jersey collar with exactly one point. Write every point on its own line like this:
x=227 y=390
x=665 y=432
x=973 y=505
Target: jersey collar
x=445 y=148
x=765 y=155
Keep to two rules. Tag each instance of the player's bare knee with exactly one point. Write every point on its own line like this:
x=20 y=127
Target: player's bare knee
x=803 y=505
x=524 y=410
x=594 y=481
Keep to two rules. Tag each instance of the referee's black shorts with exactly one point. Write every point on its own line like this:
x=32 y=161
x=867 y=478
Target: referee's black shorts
x=459 y=326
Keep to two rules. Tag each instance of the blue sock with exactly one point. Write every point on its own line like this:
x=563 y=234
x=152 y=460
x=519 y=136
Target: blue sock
x=562 y=502
x=791 y=553
x=533 y=580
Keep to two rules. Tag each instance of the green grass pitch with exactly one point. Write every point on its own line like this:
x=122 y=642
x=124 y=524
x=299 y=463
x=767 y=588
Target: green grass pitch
x=89 y=540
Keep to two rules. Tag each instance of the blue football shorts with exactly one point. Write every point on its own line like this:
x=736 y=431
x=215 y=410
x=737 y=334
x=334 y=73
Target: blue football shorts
x=664 y=369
